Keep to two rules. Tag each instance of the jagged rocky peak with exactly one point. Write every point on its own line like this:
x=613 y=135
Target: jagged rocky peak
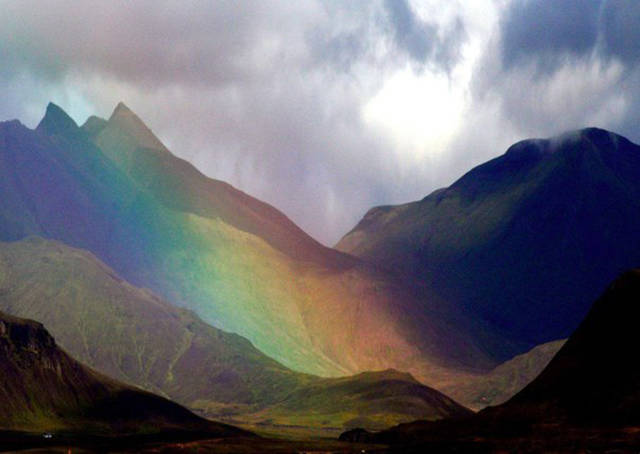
x=124 y=121
x=57 y=122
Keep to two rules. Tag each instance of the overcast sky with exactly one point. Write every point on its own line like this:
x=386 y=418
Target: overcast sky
x=327 y=108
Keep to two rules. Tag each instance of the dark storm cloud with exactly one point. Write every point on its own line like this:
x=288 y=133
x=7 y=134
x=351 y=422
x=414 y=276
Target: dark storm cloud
x=599 y=38
x=415 y=37
x=150 y=42
x=548 y=30
x=423 y=41
x=552 y=32
x=620 y=28
x=408 y=37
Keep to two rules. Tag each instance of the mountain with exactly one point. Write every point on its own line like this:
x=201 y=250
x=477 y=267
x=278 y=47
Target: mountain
x=180 y=186
x=586 y=399
x=44 y=389
x=524 y=242
x=373 y=400
x=113 y=189
x=134 y=336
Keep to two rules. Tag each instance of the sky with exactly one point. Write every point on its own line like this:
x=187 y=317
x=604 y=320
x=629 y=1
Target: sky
x=327 y=108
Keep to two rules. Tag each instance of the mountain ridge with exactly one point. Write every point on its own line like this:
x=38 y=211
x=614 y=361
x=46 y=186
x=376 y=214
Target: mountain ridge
x=336 y=314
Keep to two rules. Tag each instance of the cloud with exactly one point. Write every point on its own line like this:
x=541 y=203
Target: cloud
x=554 y=66
x=620 y=28
x=553 y=32
x=326 y=108
x=548 y=31
x=548 y=67
x=421 y=40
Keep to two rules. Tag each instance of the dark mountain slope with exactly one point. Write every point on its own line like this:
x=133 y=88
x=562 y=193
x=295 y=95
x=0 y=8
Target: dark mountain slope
x=586 y=399
x=42 y=388
x=507 y=379
x=525 y=241
x=593 y=379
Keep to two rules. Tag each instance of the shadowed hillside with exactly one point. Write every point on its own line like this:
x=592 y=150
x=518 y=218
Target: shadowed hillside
x=525 y=241
x=587 y=398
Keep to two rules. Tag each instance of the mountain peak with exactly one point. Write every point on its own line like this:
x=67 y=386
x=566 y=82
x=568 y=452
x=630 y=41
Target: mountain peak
x=57 y=122
x=126 y=121
x=122 y=109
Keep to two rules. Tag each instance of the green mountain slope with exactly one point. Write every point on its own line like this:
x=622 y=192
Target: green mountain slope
x=372 y=400
x=132 y=335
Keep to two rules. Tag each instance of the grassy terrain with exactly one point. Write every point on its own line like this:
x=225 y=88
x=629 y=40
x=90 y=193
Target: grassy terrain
x=374 y=400
x=131 y=334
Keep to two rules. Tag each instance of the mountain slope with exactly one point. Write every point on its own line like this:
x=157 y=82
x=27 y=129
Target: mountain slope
x=42 y=388
x=238 y=263
x=134 y=336
x=131 y=334
x=525 y=241
x=179 y=185
x=372 y=400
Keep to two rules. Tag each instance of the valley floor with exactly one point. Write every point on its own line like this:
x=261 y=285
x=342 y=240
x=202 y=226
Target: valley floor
x=35 y=444
x=548 y=440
